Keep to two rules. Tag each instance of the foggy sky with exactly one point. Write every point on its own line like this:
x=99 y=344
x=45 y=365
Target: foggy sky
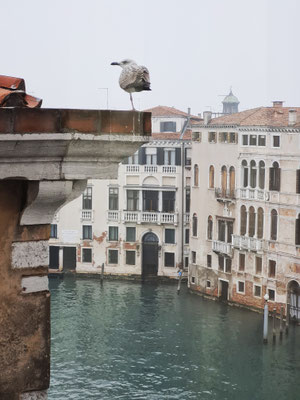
x=195 y=50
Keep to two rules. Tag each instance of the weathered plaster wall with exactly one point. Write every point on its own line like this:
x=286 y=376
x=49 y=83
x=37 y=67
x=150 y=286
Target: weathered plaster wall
x=24 y=318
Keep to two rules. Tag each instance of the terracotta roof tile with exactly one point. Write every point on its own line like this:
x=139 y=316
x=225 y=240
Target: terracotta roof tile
x=13 y=93
x=164 y=111
x=172 y=135
x=261 y=116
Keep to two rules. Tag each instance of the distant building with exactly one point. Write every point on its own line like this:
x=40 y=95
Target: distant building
x=139 y=223
x=245 y=208
x=230 y=104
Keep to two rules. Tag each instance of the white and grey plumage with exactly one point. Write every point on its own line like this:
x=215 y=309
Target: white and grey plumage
x=133 y=78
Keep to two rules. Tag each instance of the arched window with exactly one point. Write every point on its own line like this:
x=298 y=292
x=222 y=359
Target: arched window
x=260 y=223
x=194 y=225
x=274 y=223
x=243 y=221
x=209 y=227
x=211 y=177
x=196 y=175
x=251 y=229
x=297 y=231
x=252 y=174
x=274 y=177
x=224 y=179
x=244 y=173
x=261 y=175
x=232 y=181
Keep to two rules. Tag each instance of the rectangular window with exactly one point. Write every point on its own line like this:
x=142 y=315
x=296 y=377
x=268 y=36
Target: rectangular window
x=53 y=232
x=208 y=284
x=253 y=140
x=87 y=232
x=188 y=156
x=212 y=137
x=257 y=291
x=221 y=263
x=258 y=265
x=271 y=294
x=130 y=234
x=228 y=265
x=113 y=233
x=276 y=141
x=187 y=199
x=298 y=181
x=272 y=269
x=193 y=279
x=221 y=230
x=186 y=262
x=242 y=259
x=87 y=255
x=261 y=140
x=112 y=256
x=150 y=200
x=208 y=260
x=113 y=202
x=168 y=126
x=193 y=257
x=169 y=156
x=151 y=155
x=187 y=236
x=87 y=199
x=169 y=259
x=245 y=140
x=130 y=257
x=223 y=137
x=168 y=201
x=241 y=287
x=132 y=200
x=170 y=236
x=232 y=137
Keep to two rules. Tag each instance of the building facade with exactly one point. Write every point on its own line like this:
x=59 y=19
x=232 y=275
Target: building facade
x=138 y=224
x=245 y=208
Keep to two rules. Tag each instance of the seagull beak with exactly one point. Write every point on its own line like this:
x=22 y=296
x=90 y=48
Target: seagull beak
x=114 y=63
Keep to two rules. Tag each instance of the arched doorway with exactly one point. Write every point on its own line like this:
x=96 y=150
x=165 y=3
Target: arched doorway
x=150 y=255
x=293 y=299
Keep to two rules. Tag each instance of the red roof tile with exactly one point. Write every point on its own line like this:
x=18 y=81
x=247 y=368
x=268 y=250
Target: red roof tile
x=164 y=111
x=13 y=94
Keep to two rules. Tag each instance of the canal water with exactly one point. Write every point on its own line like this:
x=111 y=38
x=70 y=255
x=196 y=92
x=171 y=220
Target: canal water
x=125 y=340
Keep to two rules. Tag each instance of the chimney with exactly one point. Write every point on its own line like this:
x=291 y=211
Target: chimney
x=292 y=117
x=207 y=117
x=189 y=110
x=277 y=103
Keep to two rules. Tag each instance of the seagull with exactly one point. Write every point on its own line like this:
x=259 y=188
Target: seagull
x=133 y=78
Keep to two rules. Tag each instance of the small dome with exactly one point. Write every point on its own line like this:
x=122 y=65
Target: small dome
x=231 y=99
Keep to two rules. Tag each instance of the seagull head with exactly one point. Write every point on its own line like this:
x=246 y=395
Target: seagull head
x=123 y=63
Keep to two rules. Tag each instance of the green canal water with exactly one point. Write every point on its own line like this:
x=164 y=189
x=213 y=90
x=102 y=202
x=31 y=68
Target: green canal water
x=130 y=341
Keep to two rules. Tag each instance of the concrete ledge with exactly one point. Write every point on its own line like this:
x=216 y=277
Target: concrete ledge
x=30 y=254
x=39 y=395
x=31 y=284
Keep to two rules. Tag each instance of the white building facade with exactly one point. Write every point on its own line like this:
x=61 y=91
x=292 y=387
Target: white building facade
x=245 y=208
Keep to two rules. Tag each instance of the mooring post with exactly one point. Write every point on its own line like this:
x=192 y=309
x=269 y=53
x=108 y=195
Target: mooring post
x=179 y=281
x=274 y=322
x=287 y=318
x=281 y=323
x=266 y=315
x=102 y=273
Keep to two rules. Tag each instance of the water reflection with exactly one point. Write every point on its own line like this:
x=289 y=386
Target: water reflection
x=124 y=340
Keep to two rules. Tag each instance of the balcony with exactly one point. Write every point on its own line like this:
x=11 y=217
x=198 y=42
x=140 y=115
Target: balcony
x=253 y=194
x=132 y=168
x=143 y=217
x=169 y=169
x=150 y=169
x=248 y=243
x=113 y=215
x=225 y=195
x=87 y=215
x=222 y=247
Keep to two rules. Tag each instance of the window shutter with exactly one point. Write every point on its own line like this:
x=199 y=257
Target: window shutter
x=271 y=178
x=298 y=181
x=142 y=156
x=178 y=156
x=160 y=156
x=278 y=174
x=297 y=233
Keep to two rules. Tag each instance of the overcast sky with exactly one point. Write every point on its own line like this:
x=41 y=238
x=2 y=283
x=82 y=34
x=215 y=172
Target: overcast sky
x=194 y=49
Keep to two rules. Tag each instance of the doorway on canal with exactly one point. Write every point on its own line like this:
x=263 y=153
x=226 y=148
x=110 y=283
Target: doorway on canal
x=223 y=290
x=69 y=258
x=149 y=255
x=293 y=290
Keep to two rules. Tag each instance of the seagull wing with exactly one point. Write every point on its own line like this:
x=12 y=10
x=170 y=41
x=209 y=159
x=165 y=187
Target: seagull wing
x=134 y=76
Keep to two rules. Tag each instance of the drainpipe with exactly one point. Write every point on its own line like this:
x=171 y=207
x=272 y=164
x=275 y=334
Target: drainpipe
x=184 y=128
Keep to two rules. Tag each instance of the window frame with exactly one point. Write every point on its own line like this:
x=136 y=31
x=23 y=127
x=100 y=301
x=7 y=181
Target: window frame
x=127 y=236
x=238 y=287
x=127 y=253
x=112 y=251
x=111 y=237
x=85 y=250
x=169 y=253
x=173 y=235
x=89 y=230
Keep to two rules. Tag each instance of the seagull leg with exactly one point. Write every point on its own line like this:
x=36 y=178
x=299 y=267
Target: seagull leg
x=132 y=102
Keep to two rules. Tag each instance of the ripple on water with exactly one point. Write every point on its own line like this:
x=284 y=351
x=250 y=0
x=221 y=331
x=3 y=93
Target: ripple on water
x=132 y=341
